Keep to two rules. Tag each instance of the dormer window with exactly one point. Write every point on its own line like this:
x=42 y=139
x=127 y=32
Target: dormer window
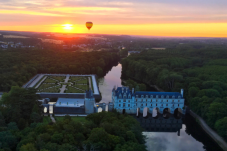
x=173 y=96
x=162 y=96
x=146 y=96
x=129 y=97
x=167 y=96
x=151 y=96
x=119 y=96
x=136 y=96
x=179 y=96
x=124 y=96
x=142 y=96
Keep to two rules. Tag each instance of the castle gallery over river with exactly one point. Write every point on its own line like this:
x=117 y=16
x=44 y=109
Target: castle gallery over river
x=77 y=93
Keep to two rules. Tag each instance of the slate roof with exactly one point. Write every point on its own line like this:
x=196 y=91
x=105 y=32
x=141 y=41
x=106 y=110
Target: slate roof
x=158 y=94
x=69 y=102
x=126 y=90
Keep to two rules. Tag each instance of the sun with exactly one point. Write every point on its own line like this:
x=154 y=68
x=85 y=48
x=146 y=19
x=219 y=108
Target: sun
x=68 y=26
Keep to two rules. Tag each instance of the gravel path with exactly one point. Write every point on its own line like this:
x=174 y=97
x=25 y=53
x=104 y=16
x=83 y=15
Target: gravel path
x=63 y=89
x=40 y=82
x=67 y=79
x=35 y=81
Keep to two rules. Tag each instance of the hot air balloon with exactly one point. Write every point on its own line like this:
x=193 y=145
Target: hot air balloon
x=89 y=25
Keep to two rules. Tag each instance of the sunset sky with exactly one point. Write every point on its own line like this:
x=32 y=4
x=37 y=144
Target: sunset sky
x=190 y=18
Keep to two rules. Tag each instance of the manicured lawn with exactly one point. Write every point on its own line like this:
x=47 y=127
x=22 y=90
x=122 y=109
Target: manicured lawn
x=73 y=90
x=48 y=80
x=75 y=78
x=82 y=81
x=83 y=87
x=53 y=90
x=44 y=86
x=46 y=119
x=59 y=78
x=74 y=118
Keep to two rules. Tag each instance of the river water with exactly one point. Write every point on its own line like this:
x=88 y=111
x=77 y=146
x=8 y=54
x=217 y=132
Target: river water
x=162 y=134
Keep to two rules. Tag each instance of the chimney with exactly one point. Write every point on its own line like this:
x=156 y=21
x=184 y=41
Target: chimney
x=122 y=89
x=182 y=92
x=132 y=90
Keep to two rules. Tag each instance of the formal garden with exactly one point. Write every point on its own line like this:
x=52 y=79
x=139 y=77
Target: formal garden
x=63 y=84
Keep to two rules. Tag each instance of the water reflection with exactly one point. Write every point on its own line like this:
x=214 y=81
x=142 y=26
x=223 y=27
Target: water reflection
x=163 y=133
x=106 y=84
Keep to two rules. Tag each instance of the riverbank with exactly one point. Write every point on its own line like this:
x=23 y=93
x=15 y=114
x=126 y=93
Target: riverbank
x=220 y=141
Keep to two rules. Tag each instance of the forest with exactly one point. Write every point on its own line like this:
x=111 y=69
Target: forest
x=200 y=72
x=22 y=128
x=19 y=65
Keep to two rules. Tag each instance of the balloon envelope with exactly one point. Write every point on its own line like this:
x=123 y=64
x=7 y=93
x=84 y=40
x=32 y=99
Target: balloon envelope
x=89 y=25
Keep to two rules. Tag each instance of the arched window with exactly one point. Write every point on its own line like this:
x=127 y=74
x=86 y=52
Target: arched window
x=151 y=104
x=167 y=100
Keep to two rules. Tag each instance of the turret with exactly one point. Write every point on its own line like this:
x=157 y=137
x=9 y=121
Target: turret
x=182 y=92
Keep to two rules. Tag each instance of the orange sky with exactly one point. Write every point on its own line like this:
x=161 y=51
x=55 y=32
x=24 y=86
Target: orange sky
x=203 y=18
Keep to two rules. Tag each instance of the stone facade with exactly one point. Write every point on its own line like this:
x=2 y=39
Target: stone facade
x=129 y=101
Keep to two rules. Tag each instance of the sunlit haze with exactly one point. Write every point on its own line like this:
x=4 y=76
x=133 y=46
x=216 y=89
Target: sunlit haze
x=194 y=18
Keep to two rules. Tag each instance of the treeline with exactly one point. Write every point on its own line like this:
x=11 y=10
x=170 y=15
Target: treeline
x=18 y=66
x=22 y=129
x=201 y=72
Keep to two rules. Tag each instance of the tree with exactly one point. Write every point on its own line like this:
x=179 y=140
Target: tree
x=220 y=126
x=28 y=147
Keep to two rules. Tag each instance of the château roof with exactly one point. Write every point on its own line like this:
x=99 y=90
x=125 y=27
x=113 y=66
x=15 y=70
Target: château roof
x=125 y=90
x=69 y=102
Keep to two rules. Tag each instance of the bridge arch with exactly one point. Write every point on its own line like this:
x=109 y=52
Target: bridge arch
x=123 y=111
x=155 y=112
x=178 y=113
x=145 y=112
x=45 y=110
x=99 y=109
x=166 y=113
x=138 y=112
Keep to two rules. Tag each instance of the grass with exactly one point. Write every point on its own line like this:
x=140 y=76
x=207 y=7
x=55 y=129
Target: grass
x=82 y=81
x=83 y=87
x=72 y=78
x=53 y=90
x=46 y=119
x=59 y=78
x=44 y=86
x=74 y=118
x=48 y=80
x=73 y=90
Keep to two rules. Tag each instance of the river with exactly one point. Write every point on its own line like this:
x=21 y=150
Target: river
x=163 y=134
